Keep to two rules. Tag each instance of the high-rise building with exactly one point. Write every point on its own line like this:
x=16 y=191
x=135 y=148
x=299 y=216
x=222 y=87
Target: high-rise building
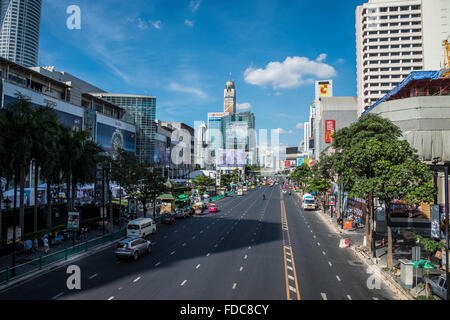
x=229 y=98
x=19 y=31
x=395 y=37
x=140 y=110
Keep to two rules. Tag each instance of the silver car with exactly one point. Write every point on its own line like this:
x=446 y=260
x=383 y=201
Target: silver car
x=132 y=248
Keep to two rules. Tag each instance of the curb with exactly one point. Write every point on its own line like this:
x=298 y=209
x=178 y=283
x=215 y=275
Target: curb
x=53 y=266
x=387 y=278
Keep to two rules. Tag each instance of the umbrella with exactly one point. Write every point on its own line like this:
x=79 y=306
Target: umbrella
x=424 y=264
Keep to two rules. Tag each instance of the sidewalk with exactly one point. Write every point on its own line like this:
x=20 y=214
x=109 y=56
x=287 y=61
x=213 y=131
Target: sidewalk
x=6 y=260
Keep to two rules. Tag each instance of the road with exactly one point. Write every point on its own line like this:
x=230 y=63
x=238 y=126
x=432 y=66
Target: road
x=251 y=249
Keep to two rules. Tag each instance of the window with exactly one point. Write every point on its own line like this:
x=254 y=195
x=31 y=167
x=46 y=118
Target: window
x=384 y=69
x=395 y=69
x=404 y=8
x=417 y=52
x=406 y=68
x=373 y=47
x=395 y=39
x=395 y=76
x=417 y=60
x=406 y=61
x=406 y=53
x=395 y=53
x=395 y=46
x=415 y=7
x=384 y=9
x=405 y=45
x=384 y=32
x=384 y=47
x=404 y=16
x=384 y=54
x=383 y=25
x=384 y=77
x=394 y=31
x=405 y=31
x=417 y=38
x=391 y=9
x=393 y=17
x=372 y=32
x=406 y=38
x=415 y=16
x=395 y=61
x=385 y=84
x=394 y=24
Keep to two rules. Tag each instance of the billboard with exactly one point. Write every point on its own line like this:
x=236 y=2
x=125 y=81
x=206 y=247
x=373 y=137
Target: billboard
x=300 y=161
x=293 y=163
x=324 y=88
x=231 y=158
x=217 y=114
x=292 y=150
x=287 y=163
x=113 y=134
x=330 y=127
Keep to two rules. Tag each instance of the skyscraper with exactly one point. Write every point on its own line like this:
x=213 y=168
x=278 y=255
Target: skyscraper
x=229 y=98
x=395 y=37
x=19 y=31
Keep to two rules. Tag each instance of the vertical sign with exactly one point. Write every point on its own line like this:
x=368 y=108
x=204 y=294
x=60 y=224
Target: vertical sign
x=300 y=161
x=434 y=219
x=329 y=130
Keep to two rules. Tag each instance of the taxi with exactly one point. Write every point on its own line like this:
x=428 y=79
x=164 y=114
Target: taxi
x=212 y=208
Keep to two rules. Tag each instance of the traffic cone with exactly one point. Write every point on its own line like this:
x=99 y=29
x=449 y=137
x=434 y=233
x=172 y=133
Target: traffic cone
x=382 y=242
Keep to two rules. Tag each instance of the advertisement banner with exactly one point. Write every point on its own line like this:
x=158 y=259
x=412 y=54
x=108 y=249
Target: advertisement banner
x=329 y=130
x=300 y=161
x=112 y=138
x=73 y=220
x=434 y=219
x=323 y=90
x=287 y=164
x=231 y=158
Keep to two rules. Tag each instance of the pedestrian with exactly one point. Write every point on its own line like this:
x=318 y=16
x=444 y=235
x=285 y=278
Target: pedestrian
x=35 y=244
x=46 y=247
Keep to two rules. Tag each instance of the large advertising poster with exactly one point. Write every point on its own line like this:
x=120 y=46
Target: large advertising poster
x=330 y=126
x=300 y=161
x=231 y=158
x=324 y=88
x=287 y=163
x=113 y=134
x=73 y=221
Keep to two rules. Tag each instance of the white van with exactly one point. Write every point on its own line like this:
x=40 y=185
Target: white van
x=308 y=202
x=141 y=228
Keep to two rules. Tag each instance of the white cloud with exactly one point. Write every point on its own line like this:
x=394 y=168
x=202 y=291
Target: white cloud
x=243 y=106
x=282 y=131
x=340 y=60
x=289 y=73
x=156 y=24
x=142 y=24
x=321 y=57
x=194 y=4
x=300 y=125
x=189 y=23
x=173 y=86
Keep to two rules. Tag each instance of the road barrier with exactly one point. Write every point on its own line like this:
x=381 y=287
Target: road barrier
x=21 y=270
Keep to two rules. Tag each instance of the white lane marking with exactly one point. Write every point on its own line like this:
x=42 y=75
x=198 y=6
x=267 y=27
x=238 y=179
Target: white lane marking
x=120 y=288
x=323 y=252
x=110 y=298
x=324 y=296
x=249 y=247
x=198 y=266
x=241 y=268
x=349 y=298
x=208 y=254
x=292 y=289
x=193 y=238
x=318 y=243
x=201 y=231
x=375 y=298
x=183 y=283
x=245 y=257
x=330 y=263
x=290 y=268
x=58 y=295
x=287 y=252
x=291 y=277
x=137 y=279
x=314 y=237
x=93 y=276
x=234 y=285
x=337 y=277
x=157 y=264
x=172 y=252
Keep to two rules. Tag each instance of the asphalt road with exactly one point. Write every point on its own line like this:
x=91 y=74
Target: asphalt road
x=251 y=249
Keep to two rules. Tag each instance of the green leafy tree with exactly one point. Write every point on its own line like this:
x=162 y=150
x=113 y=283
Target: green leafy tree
x=149 y=187
x=301 y=175
x=201 y=182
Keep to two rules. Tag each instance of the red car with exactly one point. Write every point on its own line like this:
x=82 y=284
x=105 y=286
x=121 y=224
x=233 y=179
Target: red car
x=212 y=208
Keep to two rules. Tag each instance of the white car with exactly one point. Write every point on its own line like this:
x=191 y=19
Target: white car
x=141 y=228
x=308 y=202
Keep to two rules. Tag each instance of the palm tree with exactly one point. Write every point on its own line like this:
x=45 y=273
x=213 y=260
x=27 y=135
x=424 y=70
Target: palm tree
x=45 y=132
x=18 y=137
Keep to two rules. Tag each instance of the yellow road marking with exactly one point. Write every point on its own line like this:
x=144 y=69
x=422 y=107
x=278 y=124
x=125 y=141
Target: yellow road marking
x=287 y=249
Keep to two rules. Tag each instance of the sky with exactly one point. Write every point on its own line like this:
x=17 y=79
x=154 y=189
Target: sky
x=183 y=52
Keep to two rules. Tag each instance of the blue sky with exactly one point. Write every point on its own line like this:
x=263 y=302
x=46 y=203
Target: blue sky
x=182 y=52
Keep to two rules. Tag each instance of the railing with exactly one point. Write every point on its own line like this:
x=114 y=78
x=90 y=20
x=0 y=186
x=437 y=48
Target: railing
x=18 y=271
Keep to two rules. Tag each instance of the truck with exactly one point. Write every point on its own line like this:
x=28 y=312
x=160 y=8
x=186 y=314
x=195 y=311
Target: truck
x=438 y=286
x=308 y=202
x=240 y=192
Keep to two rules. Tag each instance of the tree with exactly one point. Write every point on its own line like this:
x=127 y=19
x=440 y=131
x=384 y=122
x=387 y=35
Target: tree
x=201 y=182
x=301 y=175
x=371 y=161
x=225 y=180
x=45 y=130
x=149 y=187
x=125 y=171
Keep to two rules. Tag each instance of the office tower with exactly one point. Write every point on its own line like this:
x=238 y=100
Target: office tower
x=19 y=33
x=395 y=37
x=229 y=98
x=140 y=110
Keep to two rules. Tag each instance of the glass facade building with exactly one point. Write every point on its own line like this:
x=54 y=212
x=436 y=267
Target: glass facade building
x=19 y=31
x=141 y=111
